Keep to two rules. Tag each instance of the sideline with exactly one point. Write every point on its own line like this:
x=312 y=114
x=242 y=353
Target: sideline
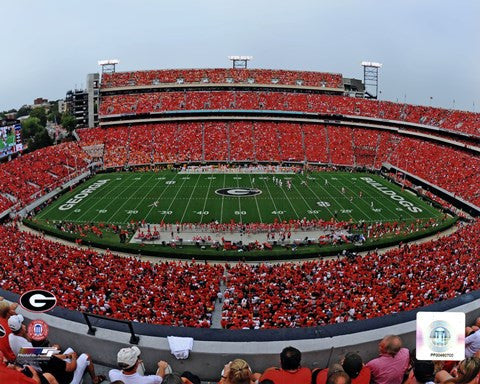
x=159 y=259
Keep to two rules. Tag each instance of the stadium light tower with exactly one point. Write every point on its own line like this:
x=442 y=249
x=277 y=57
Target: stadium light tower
x=108 y=66
x=240 y=62
x=370 y=78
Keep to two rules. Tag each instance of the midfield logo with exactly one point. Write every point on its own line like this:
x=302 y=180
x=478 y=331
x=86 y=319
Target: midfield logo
x=238 y=192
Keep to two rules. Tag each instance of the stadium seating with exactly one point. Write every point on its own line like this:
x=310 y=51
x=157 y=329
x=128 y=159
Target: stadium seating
x=241 y=141
x=264 y=296
x=290 y=141
x=267 y=147
x=31 y=176
x=322 y=292
x=189 y=142
x=340 y=140
x=453 y=120
x=316 y=146
x=140 y=145
x=5 y=203
x=116 y=147
x=165 y=143
x=222 y=76
x=82 y=280
x=92 y=136
x=216 y=141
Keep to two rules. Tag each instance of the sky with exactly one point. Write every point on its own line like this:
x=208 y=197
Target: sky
x=430 y=49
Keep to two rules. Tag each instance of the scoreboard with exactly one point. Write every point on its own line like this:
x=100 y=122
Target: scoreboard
x=10 y=139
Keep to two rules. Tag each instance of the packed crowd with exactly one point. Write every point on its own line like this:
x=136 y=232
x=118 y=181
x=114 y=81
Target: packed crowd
x=257 y=296
x=31 y=176
x=5 y=203
x=222 y=76
x=141 y=291
x=445 y=166
x=323 y=292
x=447 y=119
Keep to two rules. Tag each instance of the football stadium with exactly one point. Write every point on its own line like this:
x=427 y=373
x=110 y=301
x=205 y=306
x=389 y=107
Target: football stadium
x=218 y=214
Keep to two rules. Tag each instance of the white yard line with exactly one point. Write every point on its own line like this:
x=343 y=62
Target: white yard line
x=273 y=201
x=223 y=198
x=288 y=199
x=306 y=202
x=239 y=204
x=190 y=198
x=318 y=197
x=93 y=219
x=352 y=202
x=127 y=200
x=206 y=199
x=161 y=194
x=146 y=194
x=173 y=200
x=256 y=201
x=102 y=198
x=387 y=209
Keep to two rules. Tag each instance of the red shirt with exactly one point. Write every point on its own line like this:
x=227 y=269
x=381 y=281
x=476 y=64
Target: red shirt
x=4 y=344
x=12 y=376
x=301 y=375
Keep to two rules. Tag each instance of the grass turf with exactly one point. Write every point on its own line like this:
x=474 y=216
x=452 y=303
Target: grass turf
x=175 y=197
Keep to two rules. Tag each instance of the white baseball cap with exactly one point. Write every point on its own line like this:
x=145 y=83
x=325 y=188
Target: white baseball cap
x=127 y=357
x=15 y=322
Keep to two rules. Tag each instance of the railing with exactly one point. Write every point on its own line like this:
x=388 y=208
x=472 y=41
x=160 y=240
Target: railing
x=134 y=339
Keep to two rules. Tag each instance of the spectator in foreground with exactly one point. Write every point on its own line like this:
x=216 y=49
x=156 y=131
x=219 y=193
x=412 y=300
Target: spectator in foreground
x=339 y=377
x=474 y=328
x=391 y=365
x=423 y=372
x=291 y=372
x=190 y=378
x=238 y=372
x=466 y=372
x=27 y=375
x=18 y=339
x=69 y=368
x=172 y=378
x=129 y=361
x=4 y=344
x=472 y=343
x=351 y=364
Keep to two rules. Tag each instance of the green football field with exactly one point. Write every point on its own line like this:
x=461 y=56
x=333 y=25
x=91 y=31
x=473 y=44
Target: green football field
x=173 y=197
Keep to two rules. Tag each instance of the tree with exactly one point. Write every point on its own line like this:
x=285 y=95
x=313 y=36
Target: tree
x=24 y=111
x=40 y=140
x=68 y=122
x=53 y=114
x=40 y=114
x=30 y=127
